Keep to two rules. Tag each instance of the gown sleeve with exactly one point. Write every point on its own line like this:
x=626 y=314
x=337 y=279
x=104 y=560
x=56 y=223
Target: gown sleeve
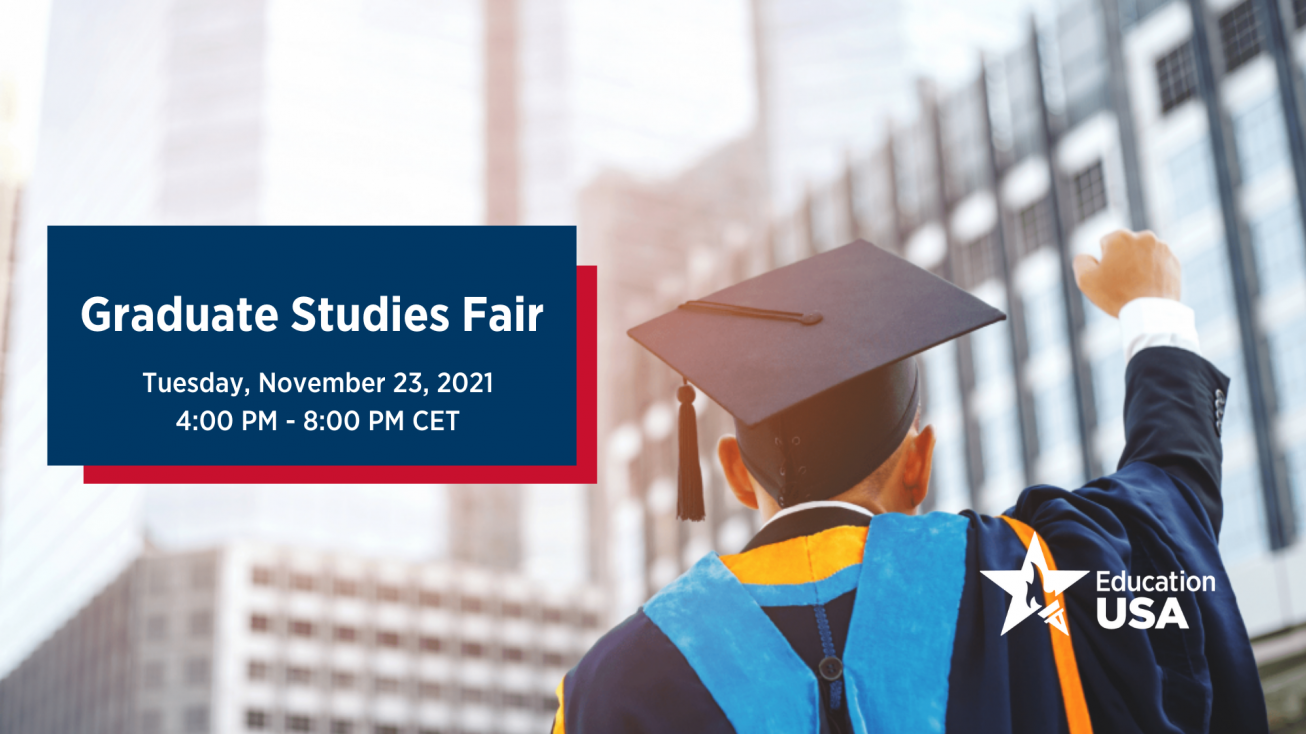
x=1158 y=515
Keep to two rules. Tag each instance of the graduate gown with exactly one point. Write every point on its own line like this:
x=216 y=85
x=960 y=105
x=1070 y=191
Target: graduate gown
x=833 y=621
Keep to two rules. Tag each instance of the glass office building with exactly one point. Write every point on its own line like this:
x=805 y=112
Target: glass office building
x=1112 y=114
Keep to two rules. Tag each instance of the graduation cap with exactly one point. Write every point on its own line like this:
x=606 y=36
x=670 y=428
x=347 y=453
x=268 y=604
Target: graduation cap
x=812 y=361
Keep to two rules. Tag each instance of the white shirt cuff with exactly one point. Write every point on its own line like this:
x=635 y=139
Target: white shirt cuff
x=1157 y=322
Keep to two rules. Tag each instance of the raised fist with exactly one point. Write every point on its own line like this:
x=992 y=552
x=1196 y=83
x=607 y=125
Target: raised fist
x=1133 y=265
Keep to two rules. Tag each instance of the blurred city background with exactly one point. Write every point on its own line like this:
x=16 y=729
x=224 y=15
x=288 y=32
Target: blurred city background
x=695 y=143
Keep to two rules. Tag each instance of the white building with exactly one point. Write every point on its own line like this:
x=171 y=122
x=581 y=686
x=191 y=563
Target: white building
x=246 y=112
x=252 y=637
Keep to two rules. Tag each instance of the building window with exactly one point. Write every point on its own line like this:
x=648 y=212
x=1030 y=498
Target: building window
x=1288 y=360
x=430 y=644
x=340 y=726
x=296 y=722
x=1261 y=137
x=977 y=261
x=346 y=634
x=385 y=729
x=201 y=624
x=1207 y=287
x=153 y=675
x=388 y=593
x=151 y=722
x=342 y=680
x=1045 y=317
x=1109 y=387
x=552 y=615
x=197 y=671
x=196 y=719
x=1176 y=76
x=1000 y=444
x=1090 y=192
x=1242 y=531
x=553 y=659
x=258 y=670
x=385 y=685
x=1277 y=242
x=301 y=628
x=513 y=610
x=1239 y=35
x=991 y=350
x=949 y=481
x=472 y=604
x=159 y=581
x=1034 y=225
x=298 y=675
x=429 y=599
x=428 y=689
x=301 y=582
x=202 y=575
x=1192 y=180
x=387 y=639
x=156 y=627
x=514 y=654
x=1296 y=461
x=473 y=695
x=473 y=649
x=517 y=700
x=1056 y=416
x=261 y=576
x=345 y=587
x=258 y=623
x=589 y=620
x=255 y=719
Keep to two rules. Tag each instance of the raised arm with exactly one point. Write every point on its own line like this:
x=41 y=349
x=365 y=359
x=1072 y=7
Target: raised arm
x=1174 y=399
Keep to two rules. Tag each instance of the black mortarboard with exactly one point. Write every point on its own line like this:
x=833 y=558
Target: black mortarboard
x=812 y=361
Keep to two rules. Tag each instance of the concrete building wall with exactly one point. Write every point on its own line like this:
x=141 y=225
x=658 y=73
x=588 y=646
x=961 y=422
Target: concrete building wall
x=244 y=112
x=253 y=637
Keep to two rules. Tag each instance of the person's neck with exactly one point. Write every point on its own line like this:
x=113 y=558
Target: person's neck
x=843 y=504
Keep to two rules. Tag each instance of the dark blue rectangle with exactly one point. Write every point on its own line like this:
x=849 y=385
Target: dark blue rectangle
x=101 y=414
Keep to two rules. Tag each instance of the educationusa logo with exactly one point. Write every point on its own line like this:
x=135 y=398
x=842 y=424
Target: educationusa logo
x=1023 y=603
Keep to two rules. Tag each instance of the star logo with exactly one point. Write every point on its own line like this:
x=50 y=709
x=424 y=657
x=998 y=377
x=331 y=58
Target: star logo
x=1017 y=583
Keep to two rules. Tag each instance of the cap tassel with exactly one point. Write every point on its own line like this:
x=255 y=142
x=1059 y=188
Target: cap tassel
x=689 y=500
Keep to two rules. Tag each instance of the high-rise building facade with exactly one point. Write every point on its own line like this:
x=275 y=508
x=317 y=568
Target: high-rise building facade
x=254 y=637
x=250 y=112
x=830 y=72
x=1181 y=116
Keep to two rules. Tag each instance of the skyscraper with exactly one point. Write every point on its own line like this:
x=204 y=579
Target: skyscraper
x=830 y=73
x=1181 y=116
x=249 y=112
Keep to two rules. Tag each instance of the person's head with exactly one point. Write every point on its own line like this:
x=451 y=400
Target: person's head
x=898 y=484
x=816 y=362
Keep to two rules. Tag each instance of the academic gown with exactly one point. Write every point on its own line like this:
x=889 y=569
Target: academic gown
x=737 y=643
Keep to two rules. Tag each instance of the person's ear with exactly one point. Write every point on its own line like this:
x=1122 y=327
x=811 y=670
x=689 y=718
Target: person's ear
x=917 y=464
x=737 y=476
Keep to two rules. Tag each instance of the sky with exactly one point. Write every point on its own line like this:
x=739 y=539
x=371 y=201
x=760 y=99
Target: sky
x=655 y=83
